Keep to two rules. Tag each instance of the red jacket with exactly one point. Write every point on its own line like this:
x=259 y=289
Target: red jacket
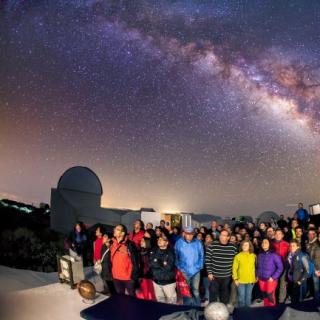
x=124 y=260
x=136 y=238
x=281 y=248
x=97 y=245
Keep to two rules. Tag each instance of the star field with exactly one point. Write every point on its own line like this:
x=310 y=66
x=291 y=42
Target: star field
x=196 y=106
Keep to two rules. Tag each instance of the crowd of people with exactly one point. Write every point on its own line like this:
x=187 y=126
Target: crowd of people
x=271 y=262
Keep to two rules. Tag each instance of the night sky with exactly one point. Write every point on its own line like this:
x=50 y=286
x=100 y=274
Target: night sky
x=196 y=106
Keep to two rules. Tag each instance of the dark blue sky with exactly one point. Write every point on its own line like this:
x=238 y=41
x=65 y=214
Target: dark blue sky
x=203 y=106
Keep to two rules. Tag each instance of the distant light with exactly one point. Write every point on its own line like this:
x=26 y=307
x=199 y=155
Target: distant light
x=171 y=211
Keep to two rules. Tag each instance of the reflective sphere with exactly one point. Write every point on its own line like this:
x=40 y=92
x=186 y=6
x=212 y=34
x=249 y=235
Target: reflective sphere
x=216 y=311
x=87 y=290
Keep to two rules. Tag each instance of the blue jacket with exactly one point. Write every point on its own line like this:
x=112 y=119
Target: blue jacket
x=189 y=256
x=302 y=214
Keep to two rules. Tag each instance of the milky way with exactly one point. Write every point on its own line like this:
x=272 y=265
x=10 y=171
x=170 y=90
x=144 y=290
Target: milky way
x=203 y=106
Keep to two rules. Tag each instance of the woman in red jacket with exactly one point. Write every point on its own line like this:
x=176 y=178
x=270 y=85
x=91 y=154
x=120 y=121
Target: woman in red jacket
x=137 y=234
x=281 y=247
x=97 y=244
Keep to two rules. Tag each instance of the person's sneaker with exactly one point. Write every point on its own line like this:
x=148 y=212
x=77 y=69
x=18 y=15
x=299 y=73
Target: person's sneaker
x=257 y=303
x=204 y=303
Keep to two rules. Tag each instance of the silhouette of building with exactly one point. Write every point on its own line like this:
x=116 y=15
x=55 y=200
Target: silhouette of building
x=78 y=197
x=267 y=217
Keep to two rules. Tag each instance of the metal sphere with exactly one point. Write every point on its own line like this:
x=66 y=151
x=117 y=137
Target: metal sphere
x=86 y=290
x=216 y=311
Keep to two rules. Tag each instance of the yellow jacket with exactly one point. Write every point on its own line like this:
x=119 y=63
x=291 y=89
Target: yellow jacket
x=244 y=267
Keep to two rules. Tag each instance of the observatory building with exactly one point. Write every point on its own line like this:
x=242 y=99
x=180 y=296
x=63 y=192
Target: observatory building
x=267 y=217
x=78 y=197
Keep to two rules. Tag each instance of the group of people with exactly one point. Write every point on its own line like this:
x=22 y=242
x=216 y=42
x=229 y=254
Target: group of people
x=235 y=266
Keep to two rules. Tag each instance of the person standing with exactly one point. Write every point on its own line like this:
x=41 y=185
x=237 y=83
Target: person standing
x=270 y=233
x=219 y=260
x=137 y=233
x=149 y=225
x=174 y=236
x=146 y=283
x=106 y=274
x=162 y=268
x=282 y=222
x=301 y=238
x=313 y=249
x=302 y=215
x=251 y=228
x=204 y=274
x=269 y=269
x=298 y=269
x=244 y=273
x=125 y=262
x=97 y=244
x=281 y=247
x=78 y=240
x=292 y=232
x=151 y=234
x=214 y=229
x=190 y=260
x=263 y=230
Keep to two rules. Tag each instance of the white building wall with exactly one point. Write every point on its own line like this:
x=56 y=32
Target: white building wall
x=153 y=217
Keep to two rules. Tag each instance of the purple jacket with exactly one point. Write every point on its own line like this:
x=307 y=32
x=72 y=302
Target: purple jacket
x=269 y=265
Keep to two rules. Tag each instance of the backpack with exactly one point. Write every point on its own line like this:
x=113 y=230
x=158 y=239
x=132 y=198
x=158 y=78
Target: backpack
x=310 y=263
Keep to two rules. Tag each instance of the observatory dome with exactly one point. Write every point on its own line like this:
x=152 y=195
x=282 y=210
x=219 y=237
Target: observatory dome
x=80 y=179
x=268 y=216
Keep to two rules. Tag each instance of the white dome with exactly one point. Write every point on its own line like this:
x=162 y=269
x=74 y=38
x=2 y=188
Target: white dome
x=80 y=179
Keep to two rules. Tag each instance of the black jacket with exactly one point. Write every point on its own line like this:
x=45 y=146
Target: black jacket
x=162 y=273
x=106 y=273
x=144 y=256
x=134 y=259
